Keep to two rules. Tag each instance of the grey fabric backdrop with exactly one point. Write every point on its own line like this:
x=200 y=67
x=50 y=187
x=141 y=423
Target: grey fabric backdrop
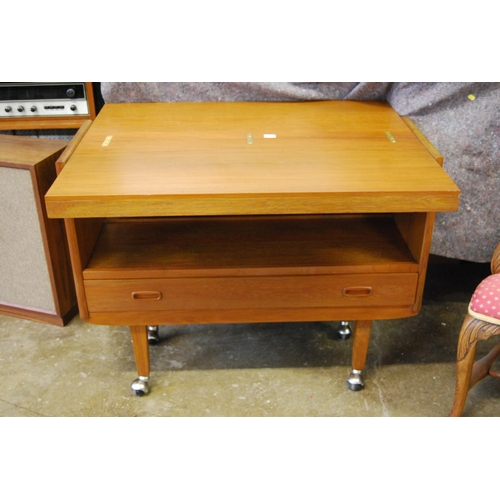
x=465 y=131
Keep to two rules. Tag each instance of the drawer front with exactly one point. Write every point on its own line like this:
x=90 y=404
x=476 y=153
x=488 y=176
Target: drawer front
x=251 y=292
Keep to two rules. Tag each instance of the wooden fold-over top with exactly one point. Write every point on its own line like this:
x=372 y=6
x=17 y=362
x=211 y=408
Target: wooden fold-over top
x=26 y=152
x=230 y=158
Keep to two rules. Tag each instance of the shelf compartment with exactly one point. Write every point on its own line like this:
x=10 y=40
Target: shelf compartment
x=248 y=246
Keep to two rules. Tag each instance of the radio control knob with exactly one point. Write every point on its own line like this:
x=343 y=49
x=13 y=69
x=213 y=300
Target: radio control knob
x=33 y=109
x=20 y=109
x=8 y=109
x=70 y=92
x=73 y=107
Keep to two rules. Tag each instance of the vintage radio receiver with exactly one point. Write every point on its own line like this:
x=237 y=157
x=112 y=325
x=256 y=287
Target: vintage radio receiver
x=45 y=105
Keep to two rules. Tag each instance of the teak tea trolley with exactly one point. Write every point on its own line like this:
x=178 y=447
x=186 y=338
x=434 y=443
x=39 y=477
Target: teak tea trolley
x=230 y=212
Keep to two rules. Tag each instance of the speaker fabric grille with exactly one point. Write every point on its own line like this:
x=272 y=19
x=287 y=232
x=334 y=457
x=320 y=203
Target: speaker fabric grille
x=24 y=274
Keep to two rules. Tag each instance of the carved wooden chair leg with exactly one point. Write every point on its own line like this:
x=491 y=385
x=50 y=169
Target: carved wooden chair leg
x=361 y=339
x=140 y=386
x=465 y=360
x=468 y=372
x=482 y=368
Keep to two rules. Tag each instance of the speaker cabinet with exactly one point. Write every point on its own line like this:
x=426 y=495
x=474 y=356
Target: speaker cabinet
x=36 y=280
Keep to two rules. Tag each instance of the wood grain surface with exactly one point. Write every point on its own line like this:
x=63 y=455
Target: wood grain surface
x=197 y=159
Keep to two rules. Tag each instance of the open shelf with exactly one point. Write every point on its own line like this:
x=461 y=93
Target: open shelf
x=253 y=245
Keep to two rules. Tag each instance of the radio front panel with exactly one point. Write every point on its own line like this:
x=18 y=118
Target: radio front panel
x=32 y=105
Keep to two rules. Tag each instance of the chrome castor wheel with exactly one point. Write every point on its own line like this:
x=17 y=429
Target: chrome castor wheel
x=355 y=381
x=140 y=386
x=343 y=332
x=153 y=336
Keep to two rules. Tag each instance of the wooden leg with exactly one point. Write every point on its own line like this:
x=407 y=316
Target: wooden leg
x=140 y=386
x=482 y=367
x=464 y=371
x=141 y=349
x=472 y=331
x=361 y=339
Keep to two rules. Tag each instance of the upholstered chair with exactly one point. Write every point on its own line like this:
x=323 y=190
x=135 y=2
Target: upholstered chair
x=481 y=322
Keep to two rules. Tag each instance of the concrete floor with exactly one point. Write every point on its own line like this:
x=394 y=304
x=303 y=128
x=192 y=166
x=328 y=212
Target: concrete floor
x=286 y=369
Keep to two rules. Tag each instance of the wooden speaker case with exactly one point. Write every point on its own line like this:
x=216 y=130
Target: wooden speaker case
x=36 y=281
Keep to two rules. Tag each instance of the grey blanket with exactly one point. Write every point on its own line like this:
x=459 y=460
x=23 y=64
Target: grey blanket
x=462 y=120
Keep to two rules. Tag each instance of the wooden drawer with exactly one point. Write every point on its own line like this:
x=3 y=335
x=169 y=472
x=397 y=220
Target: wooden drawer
x=252 y=292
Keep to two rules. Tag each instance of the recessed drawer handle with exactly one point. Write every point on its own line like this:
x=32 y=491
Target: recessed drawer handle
x=357 y=291
x=146 y=295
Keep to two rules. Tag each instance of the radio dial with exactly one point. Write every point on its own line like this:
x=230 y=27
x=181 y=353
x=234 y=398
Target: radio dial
x=73 y=107
x=20 y=109
x=8 y=109
x=33 y=109
x=70 y=92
